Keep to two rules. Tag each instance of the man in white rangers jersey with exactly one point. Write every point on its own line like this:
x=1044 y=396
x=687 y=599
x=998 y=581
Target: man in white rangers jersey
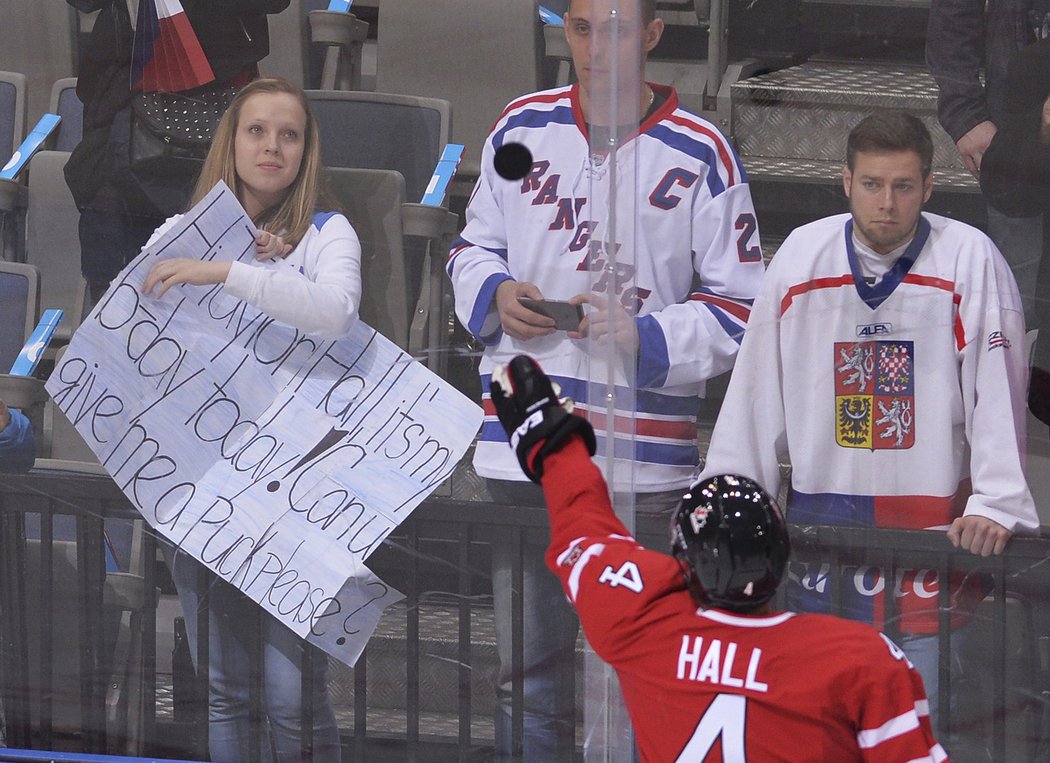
x=885 y=357
x=680 y=298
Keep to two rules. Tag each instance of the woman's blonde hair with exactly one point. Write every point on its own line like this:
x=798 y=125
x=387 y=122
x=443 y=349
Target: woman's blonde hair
x=293 y=215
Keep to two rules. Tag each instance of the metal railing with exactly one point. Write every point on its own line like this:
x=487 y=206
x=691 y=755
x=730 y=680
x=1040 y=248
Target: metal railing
x=442 y=547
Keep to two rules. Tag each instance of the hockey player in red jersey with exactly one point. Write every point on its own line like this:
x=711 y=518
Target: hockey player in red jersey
x=708 y=670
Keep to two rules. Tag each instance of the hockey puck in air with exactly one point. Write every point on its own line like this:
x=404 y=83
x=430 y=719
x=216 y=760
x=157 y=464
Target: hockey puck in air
x=512 y=161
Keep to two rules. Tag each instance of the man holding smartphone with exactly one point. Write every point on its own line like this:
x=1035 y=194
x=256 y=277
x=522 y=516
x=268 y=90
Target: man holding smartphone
x=670 y=285
x=567 y=316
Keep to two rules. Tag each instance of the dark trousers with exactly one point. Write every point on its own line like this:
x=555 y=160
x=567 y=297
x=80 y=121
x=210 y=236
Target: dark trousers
x=108 y=241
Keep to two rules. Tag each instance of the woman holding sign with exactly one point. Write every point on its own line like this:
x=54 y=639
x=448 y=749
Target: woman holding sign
x=306 y=274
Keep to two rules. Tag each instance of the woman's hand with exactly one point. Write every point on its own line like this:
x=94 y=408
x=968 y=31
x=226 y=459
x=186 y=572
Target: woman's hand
x=5 y=416
x=269 y=246
x=178 y=270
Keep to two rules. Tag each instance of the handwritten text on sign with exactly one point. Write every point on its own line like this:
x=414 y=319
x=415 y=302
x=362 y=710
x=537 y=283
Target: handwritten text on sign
x=278 y=459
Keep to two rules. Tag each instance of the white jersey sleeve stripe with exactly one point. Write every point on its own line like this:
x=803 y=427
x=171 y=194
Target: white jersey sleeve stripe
x=577 y=569
x=894 y=727
x=535 y=99
x=937 y=755
x=734 y=170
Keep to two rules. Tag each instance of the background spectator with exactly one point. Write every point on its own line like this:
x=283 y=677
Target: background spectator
x=969 y=45
x=1016 y=180
x=114 y=224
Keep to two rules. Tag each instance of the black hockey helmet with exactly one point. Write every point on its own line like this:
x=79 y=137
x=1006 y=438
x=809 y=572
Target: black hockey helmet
x=730 y=539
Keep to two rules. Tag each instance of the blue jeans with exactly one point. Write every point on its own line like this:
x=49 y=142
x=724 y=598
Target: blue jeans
x=924 y=653
x=108 y=241
x=236 y=627
x=550 y=627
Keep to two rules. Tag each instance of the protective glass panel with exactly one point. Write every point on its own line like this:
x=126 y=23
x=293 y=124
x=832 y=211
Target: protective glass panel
x=607 y=40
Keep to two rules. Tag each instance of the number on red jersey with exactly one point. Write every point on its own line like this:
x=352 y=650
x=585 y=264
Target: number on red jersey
x=627 y=576
x=724 y=718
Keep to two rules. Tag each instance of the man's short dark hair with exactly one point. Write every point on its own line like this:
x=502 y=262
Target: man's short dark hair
x=647 y=7
x=890 y=131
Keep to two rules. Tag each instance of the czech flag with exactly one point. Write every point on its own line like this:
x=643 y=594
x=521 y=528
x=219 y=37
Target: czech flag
x=167 y=56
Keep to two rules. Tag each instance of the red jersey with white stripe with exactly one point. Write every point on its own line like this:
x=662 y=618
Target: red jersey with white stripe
x=707 y=685
x=687 y=265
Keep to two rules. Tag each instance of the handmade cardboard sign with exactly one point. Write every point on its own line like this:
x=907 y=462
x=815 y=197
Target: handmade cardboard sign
x=278 y=459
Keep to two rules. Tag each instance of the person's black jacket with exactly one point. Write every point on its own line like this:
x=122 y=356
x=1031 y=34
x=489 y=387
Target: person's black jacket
x=233 y=34
x=1015 y=170
x=963 y=39
x=1015 y=179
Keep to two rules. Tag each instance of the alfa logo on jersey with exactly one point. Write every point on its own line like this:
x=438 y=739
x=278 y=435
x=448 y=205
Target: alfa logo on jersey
x=875 y=395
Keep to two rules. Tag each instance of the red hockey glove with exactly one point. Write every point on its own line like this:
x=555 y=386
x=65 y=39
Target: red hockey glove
x=530 y=411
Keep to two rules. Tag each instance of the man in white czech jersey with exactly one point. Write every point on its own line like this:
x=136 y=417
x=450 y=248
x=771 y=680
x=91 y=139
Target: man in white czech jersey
x=709 y=671
x=676 y=300
x=885 y=359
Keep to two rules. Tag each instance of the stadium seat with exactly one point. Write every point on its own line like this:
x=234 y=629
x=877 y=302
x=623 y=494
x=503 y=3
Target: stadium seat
x=371 y=200
x=342 y=36
x=501 y=63
x=397 y=305
x=383 y=131
x=12 y=113
x=12 y=131
x=19 y=309
x=53 y=241
x=289 y=38
x=66 y=104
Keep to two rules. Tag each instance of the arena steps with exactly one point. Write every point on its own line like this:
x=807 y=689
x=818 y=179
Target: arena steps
x=801 y=116
x=790 y=128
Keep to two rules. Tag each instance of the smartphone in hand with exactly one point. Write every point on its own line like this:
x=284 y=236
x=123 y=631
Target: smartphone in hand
x=566 y=316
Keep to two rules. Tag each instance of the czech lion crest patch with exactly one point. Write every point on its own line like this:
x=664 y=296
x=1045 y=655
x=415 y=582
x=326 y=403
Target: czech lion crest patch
x=875 y=395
